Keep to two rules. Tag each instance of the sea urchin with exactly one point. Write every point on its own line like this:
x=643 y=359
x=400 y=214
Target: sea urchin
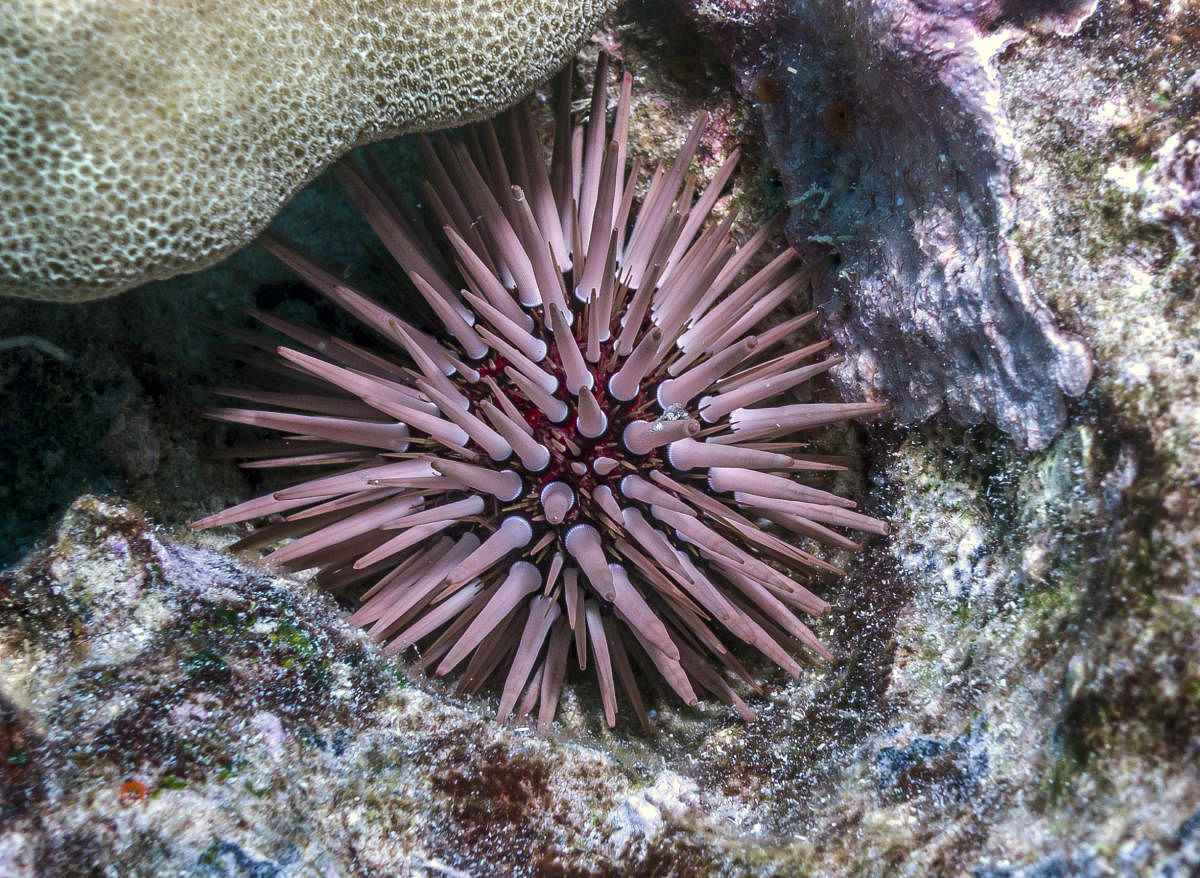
x=581 y=462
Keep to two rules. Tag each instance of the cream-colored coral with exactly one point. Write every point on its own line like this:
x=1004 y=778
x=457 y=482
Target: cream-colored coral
x=143 y=139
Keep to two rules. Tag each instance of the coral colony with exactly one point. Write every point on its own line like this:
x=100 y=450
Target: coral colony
x=582 y=464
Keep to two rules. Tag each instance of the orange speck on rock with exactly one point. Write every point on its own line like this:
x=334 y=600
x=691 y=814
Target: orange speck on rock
x=133 y=792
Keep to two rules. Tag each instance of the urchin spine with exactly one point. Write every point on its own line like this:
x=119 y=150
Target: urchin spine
x=524 y=487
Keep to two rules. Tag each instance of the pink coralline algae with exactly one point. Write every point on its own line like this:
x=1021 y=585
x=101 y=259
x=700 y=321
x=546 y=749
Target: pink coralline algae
x=592 y=460
x=891 y=137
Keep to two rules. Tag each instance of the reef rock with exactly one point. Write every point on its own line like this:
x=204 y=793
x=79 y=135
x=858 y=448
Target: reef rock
x=885 y=120
x=164 y=710
x=138 y=141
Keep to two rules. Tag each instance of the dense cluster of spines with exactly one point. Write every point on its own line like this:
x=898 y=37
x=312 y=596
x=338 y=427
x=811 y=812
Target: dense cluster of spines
x=583 y=462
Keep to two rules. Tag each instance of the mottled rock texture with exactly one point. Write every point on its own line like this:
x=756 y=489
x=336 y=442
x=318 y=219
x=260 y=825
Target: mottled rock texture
x=896 y=154
x=165 y=711
x=138 y=141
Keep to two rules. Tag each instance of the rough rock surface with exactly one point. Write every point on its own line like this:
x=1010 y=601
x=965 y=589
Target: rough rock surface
x=896 y=154
x=1016 y=686
x=138 y=141
x=165 y=710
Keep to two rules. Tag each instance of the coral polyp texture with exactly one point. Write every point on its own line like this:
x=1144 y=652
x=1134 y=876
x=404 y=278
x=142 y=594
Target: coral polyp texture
x=581 y=463
x=141 y=140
